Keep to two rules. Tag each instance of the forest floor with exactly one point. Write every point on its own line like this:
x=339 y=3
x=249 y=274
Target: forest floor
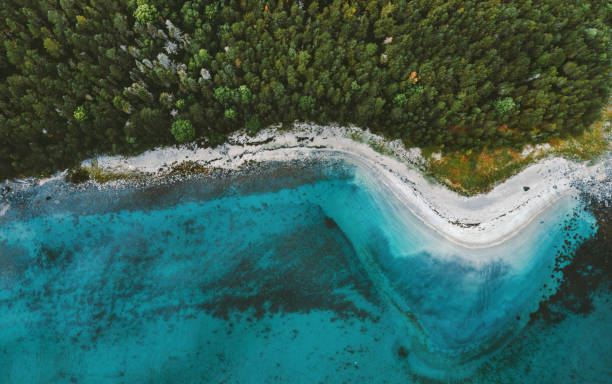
x=473 y=173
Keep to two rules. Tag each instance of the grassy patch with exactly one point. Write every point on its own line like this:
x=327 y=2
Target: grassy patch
x=102 y=176
x=357 y=136
x=78 y=175
x=477 y=172
x=81 y=174
x=189 y=167
x=591 y=144
x=474 y=173
x=381 y=147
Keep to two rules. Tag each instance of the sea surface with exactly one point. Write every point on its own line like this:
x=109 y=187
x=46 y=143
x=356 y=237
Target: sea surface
x=301 y=272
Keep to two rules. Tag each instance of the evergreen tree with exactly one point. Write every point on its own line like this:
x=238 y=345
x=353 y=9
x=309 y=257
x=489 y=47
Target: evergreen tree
x=80 y=78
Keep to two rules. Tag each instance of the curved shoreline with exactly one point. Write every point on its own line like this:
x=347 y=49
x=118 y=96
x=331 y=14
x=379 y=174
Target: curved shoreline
x=473 y=222
x=475 y=231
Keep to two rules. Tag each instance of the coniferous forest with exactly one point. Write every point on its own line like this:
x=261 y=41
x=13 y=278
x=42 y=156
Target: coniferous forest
x=84 y=77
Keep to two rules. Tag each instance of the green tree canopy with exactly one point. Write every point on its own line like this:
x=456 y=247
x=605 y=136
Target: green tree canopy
x=183 y=131
x=111 y=76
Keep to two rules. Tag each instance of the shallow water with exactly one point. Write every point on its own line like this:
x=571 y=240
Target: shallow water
x=290 y=274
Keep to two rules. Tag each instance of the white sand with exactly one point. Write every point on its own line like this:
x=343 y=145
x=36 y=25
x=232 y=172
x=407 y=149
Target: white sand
x=498 y=214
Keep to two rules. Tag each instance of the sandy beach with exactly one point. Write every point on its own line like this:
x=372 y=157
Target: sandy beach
x=480 y=221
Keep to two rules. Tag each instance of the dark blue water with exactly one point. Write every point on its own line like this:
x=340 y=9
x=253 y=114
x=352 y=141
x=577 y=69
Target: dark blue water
x=289 y=274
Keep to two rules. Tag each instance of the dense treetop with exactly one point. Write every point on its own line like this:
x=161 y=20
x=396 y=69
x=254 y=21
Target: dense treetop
x=121 y=76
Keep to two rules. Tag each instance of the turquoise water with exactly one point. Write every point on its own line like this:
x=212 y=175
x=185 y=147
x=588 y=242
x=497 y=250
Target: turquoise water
x=291 y=274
